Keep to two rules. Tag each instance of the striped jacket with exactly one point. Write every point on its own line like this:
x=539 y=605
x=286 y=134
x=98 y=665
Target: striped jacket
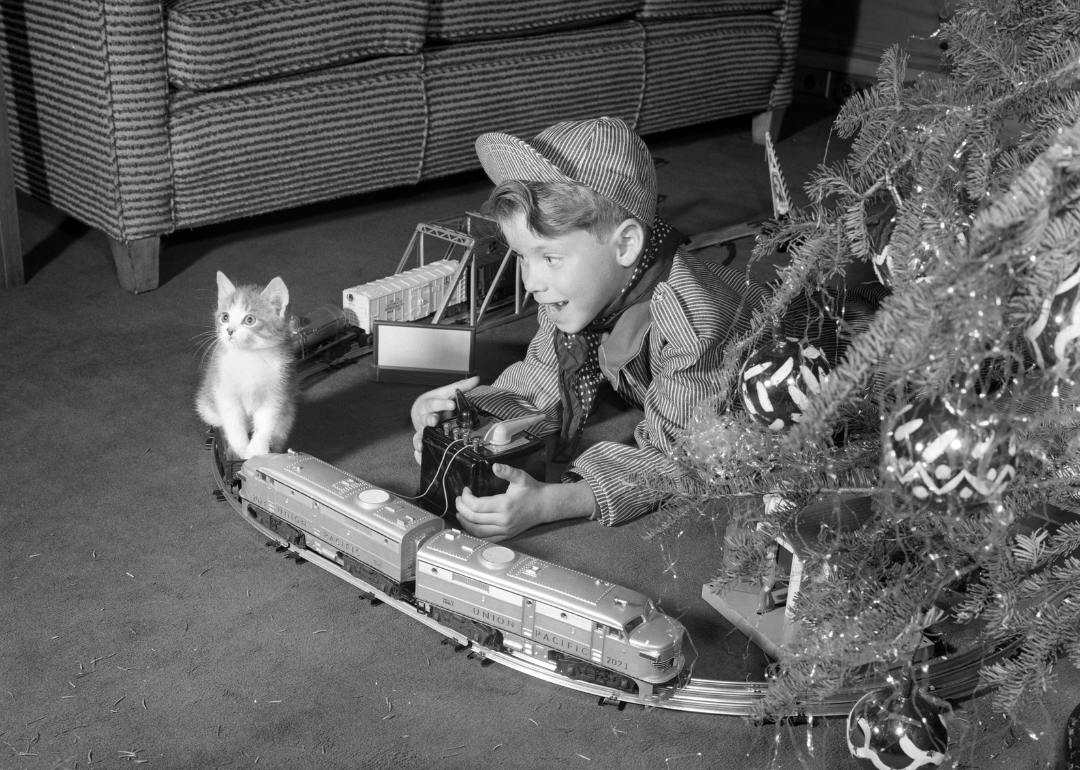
x=663 y=359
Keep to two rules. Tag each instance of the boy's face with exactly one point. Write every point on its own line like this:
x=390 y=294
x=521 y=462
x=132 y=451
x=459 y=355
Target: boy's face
x=575 y=276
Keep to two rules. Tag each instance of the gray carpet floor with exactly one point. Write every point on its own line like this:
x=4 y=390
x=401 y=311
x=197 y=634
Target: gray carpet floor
x=145 y=622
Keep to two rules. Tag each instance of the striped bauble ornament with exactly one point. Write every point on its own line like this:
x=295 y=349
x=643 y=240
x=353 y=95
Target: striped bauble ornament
x=939 y=452
x=1051 y=337
x=778 y=381
x=898 y=727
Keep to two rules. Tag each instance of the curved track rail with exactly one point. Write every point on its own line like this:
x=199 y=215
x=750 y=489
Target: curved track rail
x=953 y=678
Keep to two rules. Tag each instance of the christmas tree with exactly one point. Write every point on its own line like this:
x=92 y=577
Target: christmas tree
x=956 y=405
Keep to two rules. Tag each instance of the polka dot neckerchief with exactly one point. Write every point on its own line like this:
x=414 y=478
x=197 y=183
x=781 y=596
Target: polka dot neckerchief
x=580 y=378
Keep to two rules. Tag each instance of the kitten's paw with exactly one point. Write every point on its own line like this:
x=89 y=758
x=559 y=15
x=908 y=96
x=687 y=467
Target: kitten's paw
x=257 y=447
x=236 y=451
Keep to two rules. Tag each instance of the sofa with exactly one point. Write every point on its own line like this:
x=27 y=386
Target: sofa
x=139 y=117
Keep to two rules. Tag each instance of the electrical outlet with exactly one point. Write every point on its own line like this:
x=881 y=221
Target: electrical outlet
x=812 y=81
x=845 y=86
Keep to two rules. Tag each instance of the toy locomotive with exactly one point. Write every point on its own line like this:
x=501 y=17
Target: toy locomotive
x=580 y=626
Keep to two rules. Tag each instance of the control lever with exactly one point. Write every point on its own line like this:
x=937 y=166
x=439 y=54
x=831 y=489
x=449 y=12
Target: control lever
x=501 y=433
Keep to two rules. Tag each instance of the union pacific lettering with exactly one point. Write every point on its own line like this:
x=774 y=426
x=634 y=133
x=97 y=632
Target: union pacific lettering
x=498 y=620
x=567 y=644
x=341 y=543
x=295 y=518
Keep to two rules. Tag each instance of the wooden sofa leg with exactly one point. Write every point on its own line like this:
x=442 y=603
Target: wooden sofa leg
x=768 y=121
x=136 y=263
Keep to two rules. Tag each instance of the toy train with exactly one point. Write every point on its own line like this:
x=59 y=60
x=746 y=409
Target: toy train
x=418 y=293
x=407 y=296
x=579 y=626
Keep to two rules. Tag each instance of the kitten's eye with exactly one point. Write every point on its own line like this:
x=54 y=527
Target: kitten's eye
x=249 y=320
x=224 y=318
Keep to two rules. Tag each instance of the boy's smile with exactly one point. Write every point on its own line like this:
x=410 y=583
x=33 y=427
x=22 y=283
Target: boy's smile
x=574 y=276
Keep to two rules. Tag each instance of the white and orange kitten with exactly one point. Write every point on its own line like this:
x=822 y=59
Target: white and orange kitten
x=249 y=387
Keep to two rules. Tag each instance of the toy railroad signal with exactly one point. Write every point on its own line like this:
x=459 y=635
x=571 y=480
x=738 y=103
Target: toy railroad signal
x=781 y=198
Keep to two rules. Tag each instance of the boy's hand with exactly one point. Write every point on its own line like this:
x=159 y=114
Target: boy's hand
x=433 y=407
x=526 y=503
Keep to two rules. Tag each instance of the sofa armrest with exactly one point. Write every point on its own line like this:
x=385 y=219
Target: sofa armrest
x=790 y=16
x=88 y=108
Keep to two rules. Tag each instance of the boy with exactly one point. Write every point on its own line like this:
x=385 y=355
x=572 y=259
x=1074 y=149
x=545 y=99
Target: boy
x=620 y=304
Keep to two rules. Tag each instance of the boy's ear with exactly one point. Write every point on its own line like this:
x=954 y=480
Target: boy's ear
x=629 y=240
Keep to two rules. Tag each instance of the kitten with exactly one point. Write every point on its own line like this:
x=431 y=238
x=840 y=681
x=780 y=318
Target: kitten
x=249 y=388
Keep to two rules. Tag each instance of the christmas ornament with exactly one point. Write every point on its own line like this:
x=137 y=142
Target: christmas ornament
x=897 y=728
x=1051 y=334
x=1072 y=741
x=937 y=451
x=778 y=381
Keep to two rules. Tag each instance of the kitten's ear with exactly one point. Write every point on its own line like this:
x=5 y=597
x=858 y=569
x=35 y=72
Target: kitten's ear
x=224 y=286
x=276 y=293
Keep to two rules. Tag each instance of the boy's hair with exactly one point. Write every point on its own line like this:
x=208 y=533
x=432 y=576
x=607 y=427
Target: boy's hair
x=553 y=209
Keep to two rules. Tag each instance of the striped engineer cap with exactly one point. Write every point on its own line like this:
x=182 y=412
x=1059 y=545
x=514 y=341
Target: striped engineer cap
x=603 y=154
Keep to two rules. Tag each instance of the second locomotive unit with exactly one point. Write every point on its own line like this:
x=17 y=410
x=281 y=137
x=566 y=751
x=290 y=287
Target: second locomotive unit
x=580 y=626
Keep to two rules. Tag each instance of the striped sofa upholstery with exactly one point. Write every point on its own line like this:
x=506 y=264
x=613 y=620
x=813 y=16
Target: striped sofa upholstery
x=138 y=117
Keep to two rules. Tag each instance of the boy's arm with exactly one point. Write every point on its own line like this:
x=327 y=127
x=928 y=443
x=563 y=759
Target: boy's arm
x=615 y=472
x=694 y=316
x=529 y=385
x=526 y=503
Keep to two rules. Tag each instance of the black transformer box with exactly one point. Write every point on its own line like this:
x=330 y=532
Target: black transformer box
x=460 y=451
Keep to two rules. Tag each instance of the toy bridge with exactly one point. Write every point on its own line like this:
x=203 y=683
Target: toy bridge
x=473 y=240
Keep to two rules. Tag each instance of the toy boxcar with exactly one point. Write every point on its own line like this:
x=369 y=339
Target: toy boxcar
x=407 y=296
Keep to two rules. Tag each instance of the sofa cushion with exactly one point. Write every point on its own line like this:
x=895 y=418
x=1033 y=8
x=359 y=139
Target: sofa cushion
x=523 y=86
x=459 y=20
x=735 y=62
x=216 y=43
x=282 y=143
x=684 y=9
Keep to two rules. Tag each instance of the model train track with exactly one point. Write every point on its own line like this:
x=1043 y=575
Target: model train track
x=953 y=677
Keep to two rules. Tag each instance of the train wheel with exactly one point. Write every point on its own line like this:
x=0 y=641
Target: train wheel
x=587 y=672
x=285 y=531
x=471 y=629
